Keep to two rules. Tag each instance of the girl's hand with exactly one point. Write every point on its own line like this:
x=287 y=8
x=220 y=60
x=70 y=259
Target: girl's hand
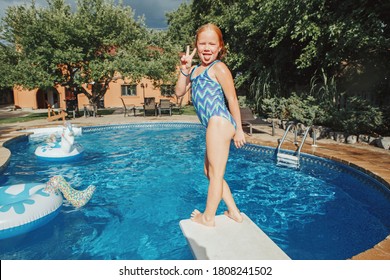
x=186 y=59
x=239 y=138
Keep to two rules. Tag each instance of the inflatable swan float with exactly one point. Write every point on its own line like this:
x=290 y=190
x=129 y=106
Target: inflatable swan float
x=25 y=207
x=63 y=150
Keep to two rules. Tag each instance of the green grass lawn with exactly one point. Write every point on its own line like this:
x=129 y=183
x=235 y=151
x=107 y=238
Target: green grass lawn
x=188 y=110
x=30 y=117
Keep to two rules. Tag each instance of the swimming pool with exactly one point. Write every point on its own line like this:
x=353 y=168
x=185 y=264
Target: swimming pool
x=149 y=177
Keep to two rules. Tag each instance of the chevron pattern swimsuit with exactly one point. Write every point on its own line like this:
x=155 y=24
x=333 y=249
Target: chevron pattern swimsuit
x=208 y=97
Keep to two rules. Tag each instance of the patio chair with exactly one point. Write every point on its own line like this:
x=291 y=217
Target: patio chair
x=150 y=105
x=89 y=110
x=165 y=105
x=248 y=119
x=72 y=108
x=127 y=108
x=178 y=106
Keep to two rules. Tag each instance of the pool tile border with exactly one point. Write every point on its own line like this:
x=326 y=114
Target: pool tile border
x=88 y=129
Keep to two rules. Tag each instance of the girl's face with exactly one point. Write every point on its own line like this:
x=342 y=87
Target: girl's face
x=208 y=46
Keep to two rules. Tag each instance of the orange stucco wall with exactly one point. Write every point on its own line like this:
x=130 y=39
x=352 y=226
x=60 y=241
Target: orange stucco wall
x=112 y=97
x=24 y=98
x=37 y=98
x=33 y=98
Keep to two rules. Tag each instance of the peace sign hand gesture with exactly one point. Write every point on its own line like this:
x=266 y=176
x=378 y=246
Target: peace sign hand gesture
x=186 y=59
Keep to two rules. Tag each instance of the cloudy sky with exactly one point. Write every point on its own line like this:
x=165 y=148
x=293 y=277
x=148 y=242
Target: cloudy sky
x=153 y=10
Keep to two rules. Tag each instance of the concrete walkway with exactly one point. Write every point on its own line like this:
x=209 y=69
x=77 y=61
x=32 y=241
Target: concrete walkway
x=372 y=160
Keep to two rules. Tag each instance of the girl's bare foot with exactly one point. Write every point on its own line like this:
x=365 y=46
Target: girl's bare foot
x=234 y=215
x=198 y=217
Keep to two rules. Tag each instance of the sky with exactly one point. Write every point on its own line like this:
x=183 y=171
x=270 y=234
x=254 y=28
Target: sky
x=153 y=10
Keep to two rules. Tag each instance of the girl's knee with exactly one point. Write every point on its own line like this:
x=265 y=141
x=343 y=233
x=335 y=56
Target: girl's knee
x=214 y=173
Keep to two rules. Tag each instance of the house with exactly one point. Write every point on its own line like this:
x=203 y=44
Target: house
x=131 y=94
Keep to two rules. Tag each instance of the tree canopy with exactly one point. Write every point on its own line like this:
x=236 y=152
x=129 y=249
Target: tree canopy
x=96 y=44
x=292 y=40
x=321 y=51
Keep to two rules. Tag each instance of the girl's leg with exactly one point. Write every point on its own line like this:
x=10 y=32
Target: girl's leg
x=218 y=136
x=233 y=212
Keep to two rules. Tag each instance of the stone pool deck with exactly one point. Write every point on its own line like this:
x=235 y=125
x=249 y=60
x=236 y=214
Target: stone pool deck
x=371 y=160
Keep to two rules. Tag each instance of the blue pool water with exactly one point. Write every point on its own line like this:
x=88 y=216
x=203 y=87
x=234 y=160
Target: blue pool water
x=149 y=177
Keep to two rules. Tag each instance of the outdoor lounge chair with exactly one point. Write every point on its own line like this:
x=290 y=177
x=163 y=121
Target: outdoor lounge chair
x=165 y=105
x=248 y=119
x=127 y=108
x=150 y=105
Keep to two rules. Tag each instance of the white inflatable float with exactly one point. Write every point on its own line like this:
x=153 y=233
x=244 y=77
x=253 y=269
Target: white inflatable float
x=64 y=150
x=25 y=207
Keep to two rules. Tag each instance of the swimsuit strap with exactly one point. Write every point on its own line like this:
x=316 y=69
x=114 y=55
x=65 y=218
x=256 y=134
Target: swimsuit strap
x=211 y=64
x=193 y=70
x=207 y=69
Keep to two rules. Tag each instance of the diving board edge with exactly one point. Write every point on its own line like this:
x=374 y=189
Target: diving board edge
x=230 y=240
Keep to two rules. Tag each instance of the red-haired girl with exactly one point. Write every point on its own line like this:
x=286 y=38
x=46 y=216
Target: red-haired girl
x=212 y=83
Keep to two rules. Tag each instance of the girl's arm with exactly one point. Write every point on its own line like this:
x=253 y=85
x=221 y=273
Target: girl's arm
x=224 y=77
x=181 y=84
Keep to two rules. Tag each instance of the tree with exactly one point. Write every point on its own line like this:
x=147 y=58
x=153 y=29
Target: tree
x=7 y=63
x=164 y=58
x=181 y=26
x=97 y=44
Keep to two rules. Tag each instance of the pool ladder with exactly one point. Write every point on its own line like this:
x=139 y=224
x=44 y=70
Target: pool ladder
x=288 y=159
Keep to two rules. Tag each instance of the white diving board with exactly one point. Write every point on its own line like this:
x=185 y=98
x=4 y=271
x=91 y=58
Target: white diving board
x=230 y=240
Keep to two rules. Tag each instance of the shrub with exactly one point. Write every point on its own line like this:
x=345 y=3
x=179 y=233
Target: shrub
x=360 y=117
x=294 y=108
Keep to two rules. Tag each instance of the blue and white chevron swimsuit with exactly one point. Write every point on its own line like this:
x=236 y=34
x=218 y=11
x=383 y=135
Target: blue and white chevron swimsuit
x=208 y=97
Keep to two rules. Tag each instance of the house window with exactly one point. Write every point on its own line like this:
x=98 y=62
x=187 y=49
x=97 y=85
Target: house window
x=129 y=90
x=167 y=90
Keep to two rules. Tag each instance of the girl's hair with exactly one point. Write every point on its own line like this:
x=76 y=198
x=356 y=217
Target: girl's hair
x=213 y=27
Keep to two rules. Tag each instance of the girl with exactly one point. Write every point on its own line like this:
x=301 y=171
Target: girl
x=211 y=83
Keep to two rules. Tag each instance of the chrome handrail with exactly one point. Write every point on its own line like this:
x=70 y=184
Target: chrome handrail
x=303 y=141
x=284 y=136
